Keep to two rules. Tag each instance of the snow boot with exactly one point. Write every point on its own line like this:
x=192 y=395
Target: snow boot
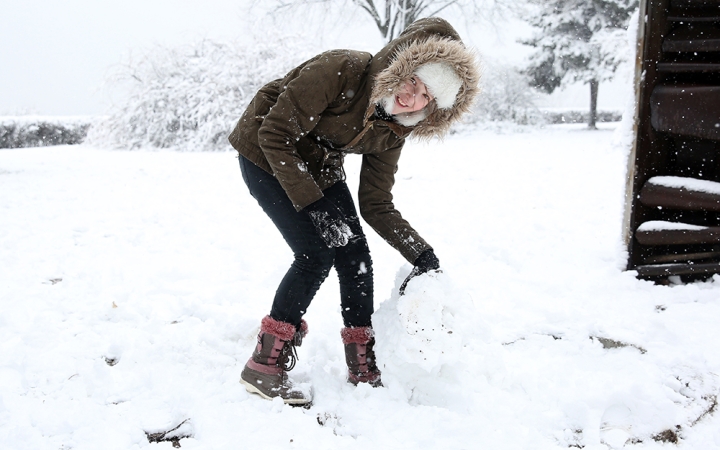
x=265 y=373
x=360 y=356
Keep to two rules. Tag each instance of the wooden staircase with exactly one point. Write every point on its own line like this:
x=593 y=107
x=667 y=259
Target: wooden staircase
x=673 y=214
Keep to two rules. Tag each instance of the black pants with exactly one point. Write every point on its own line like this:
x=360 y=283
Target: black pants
x=313 y=259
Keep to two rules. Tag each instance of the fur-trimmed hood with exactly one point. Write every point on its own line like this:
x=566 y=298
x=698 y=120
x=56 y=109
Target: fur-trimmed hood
x=426 y=41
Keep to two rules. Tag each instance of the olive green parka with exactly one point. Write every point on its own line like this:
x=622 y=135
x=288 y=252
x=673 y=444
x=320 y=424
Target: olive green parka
x=299 y=127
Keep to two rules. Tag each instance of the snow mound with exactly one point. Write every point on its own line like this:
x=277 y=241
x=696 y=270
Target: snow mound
x=424 y=328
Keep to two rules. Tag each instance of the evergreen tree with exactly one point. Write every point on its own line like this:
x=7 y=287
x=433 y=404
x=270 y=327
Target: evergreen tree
x=577 y=41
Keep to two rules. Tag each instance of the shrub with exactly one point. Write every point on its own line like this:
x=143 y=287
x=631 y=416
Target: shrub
x=505 y=96
x=38 y=131
x=575 y=116
x=190 y=97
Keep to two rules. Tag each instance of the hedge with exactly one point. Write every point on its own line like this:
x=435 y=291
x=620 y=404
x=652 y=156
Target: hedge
x=37 y=131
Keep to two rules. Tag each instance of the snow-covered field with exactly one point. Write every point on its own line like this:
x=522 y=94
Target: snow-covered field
x=133 y=284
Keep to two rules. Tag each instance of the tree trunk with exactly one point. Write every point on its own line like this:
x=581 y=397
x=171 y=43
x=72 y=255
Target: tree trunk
x=594 y=84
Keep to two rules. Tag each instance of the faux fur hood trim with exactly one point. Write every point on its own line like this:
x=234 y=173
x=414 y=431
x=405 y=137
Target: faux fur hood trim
x=434 y=49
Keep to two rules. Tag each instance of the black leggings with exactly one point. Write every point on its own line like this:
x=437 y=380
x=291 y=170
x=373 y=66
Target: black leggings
x=313 y=259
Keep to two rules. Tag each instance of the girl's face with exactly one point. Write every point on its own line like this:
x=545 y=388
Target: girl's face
x=412 y=96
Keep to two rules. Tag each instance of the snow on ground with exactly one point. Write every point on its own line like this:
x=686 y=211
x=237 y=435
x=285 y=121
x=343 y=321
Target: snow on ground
x=133 y=284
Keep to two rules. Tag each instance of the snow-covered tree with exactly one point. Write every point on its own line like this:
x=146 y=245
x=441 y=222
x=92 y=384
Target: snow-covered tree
x=190 y=97
x=505 y=95
x=577 y=41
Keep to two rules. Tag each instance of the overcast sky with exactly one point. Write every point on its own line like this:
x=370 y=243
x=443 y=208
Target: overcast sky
x=55 y=55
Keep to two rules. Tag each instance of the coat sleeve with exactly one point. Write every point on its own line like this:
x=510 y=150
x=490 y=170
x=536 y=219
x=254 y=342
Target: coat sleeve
x=306 y=93
x=377 y=177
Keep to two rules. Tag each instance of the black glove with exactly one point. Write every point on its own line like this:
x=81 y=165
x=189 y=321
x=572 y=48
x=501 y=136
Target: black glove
x=329 y=222
x=424 y=263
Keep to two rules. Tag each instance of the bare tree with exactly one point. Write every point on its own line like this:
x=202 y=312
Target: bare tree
x=398 y=14
x=391 y=17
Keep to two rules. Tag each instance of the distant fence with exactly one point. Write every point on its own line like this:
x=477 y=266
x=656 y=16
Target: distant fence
x=557 y=116
x=40 y=131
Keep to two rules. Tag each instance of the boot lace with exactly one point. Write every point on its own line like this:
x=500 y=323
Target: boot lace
x=288 y=355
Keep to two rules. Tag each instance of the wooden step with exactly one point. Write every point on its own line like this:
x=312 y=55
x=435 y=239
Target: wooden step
x=676 y=234
x=688 y=67
x=683 y=18
x=681 y=257
x=696 y=7
x=700 y=37
x=662 y=270
x=686 y=110
x=681 y=193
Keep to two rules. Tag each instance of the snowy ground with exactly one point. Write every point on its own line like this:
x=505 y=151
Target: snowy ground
x=133 y=283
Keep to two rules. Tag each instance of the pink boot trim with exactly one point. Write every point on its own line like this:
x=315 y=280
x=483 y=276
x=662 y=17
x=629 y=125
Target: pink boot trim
x=303 y=328
x=359 y=335
x=283 y=330
x=264 y=368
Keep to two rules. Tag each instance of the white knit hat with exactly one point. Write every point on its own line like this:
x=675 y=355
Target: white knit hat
x=442 y=82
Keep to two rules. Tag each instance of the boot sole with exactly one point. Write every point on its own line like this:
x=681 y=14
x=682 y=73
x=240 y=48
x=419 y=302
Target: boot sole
x=290 y=401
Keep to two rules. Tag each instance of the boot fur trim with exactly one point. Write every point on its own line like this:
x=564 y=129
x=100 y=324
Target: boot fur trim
x=283 y=330
x=359 y=335
x=303 y=328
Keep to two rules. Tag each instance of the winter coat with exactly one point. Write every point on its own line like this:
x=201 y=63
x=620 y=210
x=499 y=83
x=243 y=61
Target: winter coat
x=300 y=127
